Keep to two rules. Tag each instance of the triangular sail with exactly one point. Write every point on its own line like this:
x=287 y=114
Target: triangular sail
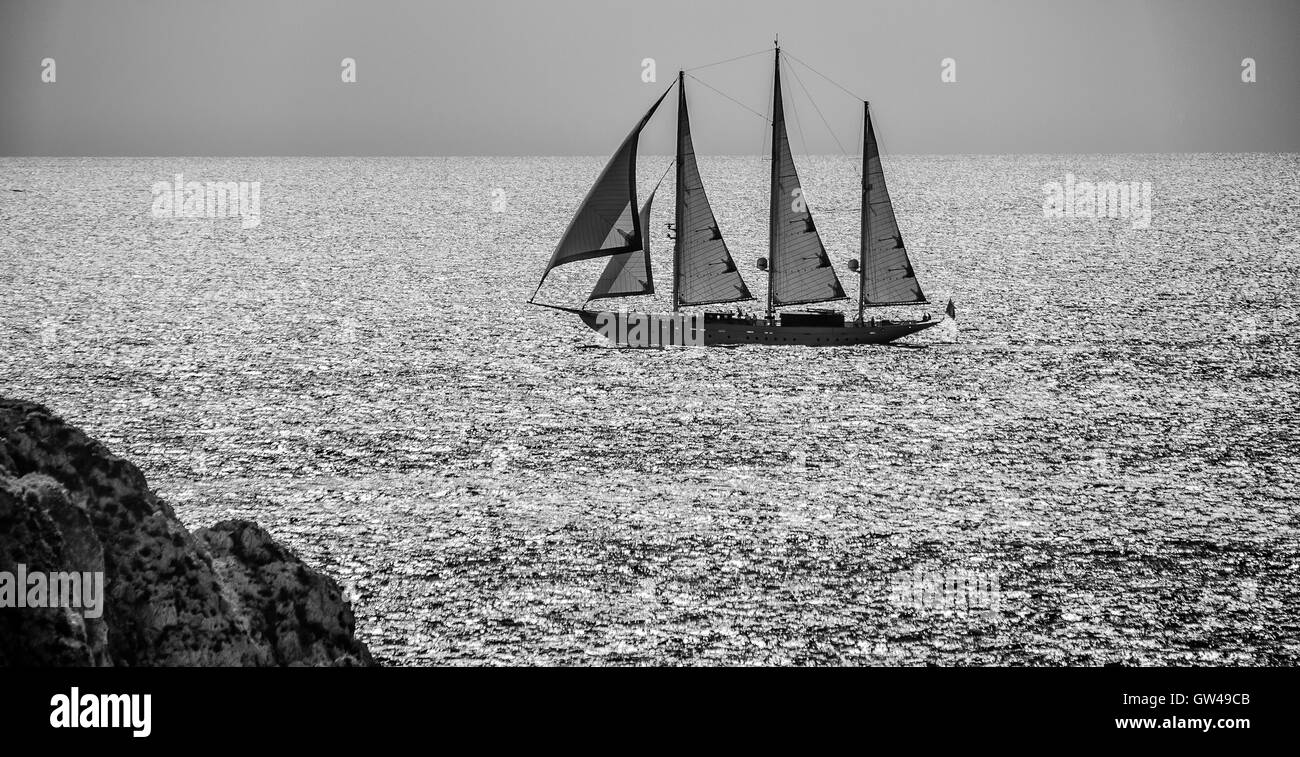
x=799 y=270
x=627 y=274
x=607 y=222
x=887 y=275
x=705 y=272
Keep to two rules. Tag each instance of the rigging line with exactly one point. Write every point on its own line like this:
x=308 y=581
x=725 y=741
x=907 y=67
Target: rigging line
x=728 y=60
x=671 y=163
x=729 y=97
x=862 y=124
x=880 y=151
x=802 y=139
x=762 y=148
x=826 y=123
x=859 y=147
x=824 y=76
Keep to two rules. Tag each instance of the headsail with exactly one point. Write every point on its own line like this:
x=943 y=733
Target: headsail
x=799 y=270
x=607 y=222
x=704 y=270
x=627 y=274
x=887 y=275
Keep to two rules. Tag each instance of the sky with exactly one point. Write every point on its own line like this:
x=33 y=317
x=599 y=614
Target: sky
x=565 y=77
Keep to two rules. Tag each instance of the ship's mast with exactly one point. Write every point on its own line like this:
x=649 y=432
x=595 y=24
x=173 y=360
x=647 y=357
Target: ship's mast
x=773 y=210
x=679 y=218
x=866 y=212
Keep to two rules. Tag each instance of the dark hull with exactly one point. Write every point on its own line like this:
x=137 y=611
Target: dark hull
x=812 y=336
x=761 y=331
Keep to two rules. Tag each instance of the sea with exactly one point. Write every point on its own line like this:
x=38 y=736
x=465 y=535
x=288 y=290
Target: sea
x=1095 y=463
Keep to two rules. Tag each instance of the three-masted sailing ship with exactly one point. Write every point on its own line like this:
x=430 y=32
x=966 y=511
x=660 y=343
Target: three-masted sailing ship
x=799 y=270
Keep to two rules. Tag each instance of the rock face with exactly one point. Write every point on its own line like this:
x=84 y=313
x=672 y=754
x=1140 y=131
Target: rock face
x=226 y=595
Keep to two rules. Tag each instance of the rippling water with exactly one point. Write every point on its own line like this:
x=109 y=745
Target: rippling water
x=1101 y=458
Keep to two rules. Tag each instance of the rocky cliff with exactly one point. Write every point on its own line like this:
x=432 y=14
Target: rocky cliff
x=225 y=595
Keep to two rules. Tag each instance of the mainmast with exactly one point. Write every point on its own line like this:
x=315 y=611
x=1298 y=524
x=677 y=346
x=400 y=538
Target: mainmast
x=866 y=212
x=680 y=213
x=774 y=210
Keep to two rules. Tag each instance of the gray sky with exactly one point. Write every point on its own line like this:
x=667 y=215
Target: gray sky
x=553 y=77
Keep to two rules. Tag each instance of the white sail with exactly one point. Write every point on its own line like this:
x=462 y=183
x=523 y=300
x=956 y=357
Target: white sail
x=705 y=272
x=800 y=271
x=627 y=274
x=887 y=274
x=607 y=222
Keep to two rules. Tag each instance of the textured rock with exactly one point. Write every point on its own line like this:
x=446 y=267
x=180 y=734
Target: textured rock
x=301 y=614
x=229 y=595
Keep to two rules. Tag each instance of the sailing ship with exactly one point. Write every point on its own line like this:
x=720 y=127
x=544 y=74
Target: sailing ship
x=609 y=223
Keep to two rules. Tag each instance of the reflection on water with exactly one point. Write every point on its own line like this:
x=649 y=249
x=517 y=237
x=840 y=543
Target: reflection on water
x=1109 y=439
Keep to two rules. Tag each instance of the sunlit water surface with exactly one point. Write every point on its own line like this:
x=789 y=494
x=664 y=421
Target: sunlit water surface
x=1101 y=456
